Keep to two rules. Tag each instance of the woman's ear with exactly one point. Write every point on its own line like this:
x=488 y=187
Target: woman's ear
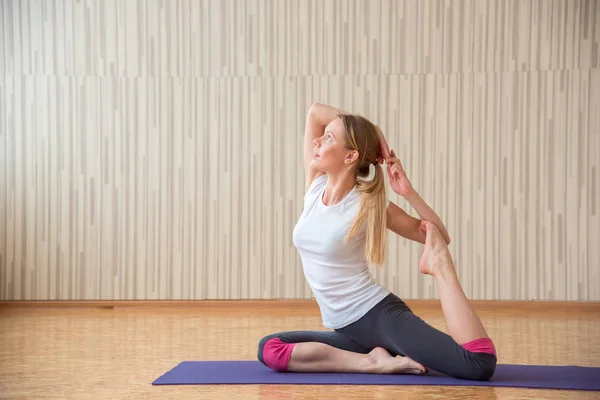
x=351 y=156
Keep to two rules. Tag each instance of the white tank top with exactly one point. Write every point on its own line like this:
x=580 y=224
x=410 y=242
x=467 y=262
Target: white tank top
x=337 y=273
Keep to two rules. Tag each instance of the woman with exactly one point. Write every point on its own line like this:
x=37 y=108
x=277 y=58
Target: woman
x=343 y=228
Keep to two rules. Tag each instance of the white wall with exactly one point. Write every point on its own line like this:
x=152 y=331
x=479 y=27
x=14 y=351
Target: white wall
x=152 y=149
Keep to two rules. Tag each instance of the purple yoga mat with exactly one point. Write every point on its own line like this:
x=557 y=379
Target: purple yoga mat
x=253 y=372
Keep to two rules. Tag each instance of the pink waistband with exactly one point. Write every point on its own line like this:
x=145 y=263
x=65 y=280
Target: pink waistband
x=483 y=345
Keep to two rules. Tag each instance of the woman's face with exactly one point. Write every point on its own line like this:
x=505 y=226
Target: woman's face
x=330 y=153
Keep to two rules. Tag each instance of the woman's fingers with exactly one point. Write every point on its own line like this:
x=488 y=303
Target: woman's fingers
x=392 y=161
x=391 y=158
x=394 y=166
x=393 y=170
x=385 y=151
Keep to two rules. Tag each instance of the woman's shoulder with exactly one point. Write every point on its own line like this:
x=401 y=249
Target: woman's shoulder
x=315 y=186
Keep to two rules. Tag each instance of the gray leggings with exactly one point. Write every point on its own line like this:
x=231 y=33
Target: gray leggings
x=392 y=325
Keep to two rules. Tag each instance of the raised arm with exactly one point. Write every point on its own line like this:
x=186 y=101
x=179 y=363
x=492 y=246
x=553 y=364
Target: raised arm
x=402 y=186
x=317 y=118
x=427 y=213
x=403 y=224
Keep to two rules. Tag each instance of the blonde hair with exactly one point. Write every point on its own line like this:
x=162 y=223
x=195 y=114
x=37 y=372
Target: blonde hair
x=361 y=135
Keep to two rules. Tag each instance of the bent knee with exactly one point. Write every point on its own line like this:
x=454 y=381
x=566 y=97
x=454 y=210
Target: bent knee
x=485 y=359
x=481 y=372
x=484 y=372
x=483 y=368
x=274 y=353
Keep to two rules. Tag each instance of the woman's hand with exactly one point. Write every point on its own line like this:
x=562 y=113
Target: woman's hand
x=398 y=180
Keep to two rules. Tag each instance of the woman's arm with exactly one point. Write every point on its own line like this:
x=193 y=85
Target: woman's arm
x=426 y=213
x=317 y=118
x=402 y=186
x=399 y=222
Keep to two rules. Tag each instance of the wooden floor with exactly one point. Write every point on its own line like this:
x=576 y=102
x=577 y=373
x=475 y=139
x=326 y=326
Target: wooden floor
x=48 y=351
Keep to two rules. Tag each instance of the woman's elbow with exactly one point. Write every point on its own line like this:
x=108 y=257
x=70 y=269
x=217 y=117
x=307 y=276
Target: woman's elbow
x=313 y=109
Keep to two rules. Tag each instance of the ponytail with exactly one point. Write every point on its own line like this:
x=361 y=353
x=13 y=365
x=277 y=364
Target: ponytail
x=373 y=212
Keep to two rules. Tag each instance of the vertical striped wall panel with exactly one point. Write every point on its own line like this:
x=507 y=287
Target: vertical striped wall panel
x=151 y=149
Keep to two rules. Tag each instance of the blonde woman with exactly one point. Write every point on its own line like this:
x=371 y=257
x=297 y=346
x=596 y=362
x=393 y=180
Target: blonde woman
x=341 y=230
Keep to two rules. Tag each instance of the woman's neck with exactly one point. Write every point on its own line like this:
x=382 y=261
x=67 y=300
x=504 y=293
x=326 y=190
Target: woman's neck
x=337 y=188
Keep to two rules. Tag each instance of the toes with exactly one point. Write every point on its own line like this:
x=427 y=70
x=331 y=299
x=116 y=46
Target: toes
x=427 y=226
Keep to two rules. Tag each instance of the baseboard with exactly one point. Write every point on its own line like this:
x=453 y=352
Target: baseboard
x=575 y=306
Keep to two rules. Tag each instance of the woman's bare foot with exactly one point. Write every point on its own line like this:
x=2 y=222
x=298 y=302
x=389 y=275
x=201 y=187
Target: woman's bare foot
x=436 y=254
x=382 y=362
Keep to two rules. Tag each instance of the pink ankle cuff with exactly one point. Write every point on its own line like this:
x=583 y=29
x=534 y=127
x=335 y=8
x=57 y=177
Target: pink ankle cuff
x=277 y=354
x=483 y=345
